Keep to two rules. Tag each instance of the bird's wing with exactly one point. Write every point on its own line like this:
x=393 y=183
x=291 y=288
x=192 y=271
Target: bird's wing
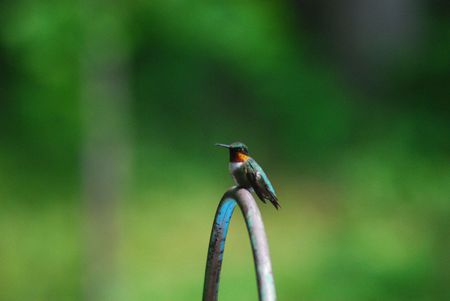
x=260 y=183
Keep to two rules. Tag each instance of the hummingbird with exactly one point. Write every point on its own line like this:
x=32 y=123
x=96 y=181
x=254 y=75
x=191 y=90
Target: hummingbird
x=248 y=174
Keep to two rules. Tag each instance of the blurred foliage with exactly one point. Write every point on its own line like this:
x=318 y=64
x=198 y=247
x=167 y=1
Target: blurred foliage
x=358 y=149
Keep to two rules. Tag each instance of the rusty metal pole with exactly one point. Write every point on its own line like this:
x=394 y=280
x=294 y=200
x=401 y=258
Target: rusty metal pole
x=258 y=239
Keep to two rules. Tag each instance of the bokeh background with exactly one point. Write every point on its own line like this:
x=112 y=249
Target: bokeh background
x=109 y=178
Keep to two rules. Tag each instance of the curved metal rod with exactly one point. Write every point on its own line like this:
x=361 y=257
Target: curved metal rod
x=260 y=247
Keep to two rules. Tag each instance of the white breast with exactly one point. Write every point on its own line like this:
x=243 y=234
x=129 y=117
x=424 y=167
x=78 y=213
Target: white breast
x=234 y=166
x=238 y=174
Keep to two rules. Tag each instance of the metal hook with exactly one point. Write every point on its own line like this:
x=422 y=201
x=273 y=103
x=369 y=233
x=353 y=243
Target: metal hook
x=258 y=239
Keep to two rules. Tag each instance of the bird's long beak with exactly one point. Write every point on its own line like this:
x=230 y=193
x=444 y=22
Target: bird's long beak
x=223 y=145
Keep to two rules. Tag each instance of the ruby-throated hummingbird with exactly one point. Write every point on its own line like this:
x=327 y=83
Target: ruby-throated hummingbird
x=248 y=174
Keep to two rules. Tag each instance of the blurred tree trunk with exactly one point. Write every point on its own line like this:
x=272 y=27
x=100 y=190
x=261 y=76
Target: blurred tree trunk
x=364 y=36
x=105 y=100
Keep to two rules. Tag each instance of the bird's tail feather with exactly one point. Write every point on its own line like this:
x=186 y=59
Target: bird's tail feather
x=274 y=201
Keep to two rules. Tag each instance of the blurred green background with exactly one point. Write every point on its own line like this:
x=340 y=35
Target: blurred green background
x=110 y=179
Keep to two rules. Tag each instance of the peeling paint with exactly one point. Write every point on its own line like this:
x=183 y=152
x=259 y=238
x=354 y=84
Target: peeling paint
x=263 y=266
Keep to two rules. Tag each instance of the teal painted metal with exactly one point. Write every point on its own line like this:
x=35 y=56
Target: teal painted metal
x=258 y=239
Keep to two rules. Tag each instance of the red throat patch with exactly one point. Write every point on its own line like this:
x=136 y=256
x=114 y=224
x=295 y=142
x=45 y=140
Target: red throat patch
x=239 y=157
